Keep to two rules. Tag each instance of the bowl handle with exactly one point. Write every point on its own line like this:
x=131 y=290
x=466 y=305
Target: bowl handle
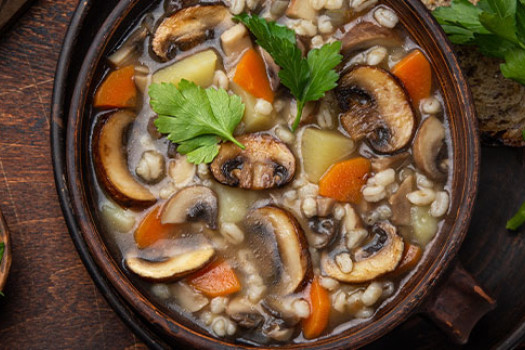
x=457 y=304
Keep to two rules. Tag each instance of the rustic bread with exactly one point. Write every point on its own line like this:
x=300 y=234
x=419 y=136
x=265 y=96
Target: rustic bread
x=500 y=102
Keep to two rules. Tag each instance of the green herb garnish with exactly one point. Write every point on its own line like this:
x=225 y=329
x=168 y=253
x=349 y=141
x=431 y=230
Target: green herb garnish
x=519 y=219
x=496 y=27
x=196 y=118
x=308 y=78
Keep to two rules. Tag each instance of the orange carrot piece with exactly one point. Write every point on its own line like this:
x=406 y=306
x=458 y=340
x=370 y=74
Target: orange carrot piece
x=411 y=256
x=118 y=90
x=343 y=181
x=151 y=230
x=415 y=73
x=251 y=76
x=316 y=323
x=218 y=279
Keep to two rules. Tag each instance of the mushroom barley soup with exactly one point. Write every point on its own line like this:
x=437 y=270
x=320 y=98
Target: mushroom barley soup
x=272 y=171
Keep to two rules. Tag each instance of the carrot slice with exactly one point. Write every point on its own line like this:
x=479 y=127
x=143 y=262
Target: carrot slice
x=151 y=230
x=343 y=181
x=118 y=90
x=411 y=256
x=218 y=279
x=251 y=76
x=415 y=73
x=320 y=305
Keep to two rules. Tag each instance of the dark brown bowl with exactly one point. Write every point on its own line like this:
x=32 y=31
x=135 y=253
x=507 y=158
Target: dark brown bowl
x=5 y=262
x=78 y=193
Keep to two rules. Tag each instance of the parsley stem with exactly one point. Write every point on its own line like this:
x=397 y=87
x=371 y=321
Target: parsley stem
x=517 y=220
x=300 y=106
x=232 y=139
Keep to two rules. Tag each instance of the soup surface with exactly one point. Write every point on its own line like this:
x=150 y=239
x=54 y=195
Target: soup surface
x=273 y=176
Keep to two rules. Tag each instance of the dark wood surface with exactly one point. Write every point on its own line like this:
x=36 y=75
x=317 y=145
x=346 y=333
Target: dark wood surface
x=51 y=301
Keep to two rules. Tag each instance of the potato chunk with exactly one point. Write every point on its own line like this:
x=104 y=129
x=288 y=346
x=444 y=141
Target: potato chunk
x=322 y=148
x=198 y=68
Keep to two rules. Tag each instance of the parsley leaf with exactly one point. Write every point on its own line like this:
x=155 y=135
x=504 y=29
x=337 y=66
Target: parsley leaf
x=307 y=78
x=496 y=27
x=196 y=118
x=519 y=219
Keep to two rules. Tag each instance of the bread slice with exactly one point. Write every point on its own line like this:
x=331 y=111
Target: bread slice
x=500 y=102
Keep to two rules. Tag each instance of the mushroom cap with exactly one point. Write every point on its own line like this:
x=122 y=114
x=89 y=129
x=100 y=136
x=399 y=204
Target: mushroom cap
x=365 y=34
x=194 y=203
x=187 y=28
x=427 y=145
x=376 y=106
x=172 y=268
x=290 y=243
x=110 y=161
x=372 y=261
x=265 y=163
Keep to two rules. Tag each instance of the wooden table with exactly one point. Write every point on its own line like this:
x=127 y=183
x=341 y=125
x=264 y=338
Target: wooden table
x=51 y=301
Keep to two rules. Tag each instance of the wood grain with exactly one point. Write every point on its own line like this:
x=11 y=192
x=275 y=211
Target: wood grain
x=51 y=301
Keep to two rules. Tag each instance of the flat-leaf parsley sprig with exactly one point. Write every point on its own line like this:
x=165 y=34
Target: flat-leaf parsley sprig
x=496 y=27
x=195 y=118
x=308 y=78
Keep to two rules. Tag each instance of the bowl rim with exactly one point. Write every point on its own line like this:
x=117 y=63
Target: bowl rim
x=7 y=258
x=77 y=211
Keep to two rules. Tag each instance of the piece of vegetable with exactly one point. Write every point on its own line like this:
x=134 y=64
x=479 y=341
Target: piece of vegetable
x=191 y=204
x=234 y=202
x=322 y=148
x=379 y=256
x=411 y=256
x=316 y=323
x=251 y=75
x=375 y=106
x=151 y=230
x=294 y=266
x=198 y=68
x=416 y=74
x=424 y=225
x=253 y=120
x=344 y=180
x=118 y=90
x=111 y=161
x=173 y=267
x=265 y=163
x=195 y=118
x=496 y=27
x=307 y=78
x=517 y=220
x=218 y=279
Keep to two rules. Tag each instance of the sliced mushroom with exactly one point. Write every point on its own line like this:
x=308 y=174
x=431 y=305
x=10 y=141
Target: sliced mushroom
x=276 y=330
x=395 y=162
x=325 y=231
x=400 y=204
x=293 y=258
x=428 y=144
x=272 y=68
x=187 y=28
x=378 y=257
x=111 y=164
x=244 y=312
x=172 y=268
x=366 y=34
x=265 y=163
x=376 y=106
x=195 y=203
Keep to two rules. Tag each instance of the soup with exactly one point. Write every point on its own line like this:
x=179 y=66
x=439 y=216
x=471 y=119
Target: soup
x=270 y=171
